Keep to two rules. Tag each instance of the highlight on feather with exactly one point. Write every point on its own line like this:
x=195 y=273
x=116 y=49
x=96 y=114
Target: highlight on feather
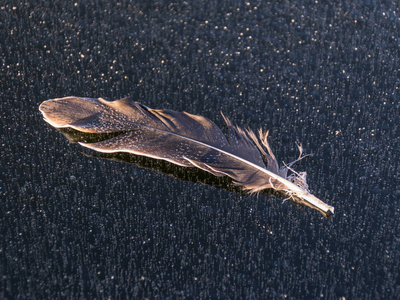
x=185 y=140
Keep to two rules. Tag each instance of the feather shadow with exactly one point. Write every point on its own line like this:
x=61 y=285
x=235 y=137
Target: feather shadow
x=194 y=175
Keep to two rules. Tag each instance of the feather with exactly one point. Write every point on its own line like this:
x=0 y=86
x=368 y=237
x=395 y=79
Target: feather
x=185 y=140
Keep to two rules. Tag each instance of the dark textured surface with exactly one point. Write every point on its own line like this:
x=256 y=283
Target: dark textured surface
x=326 y=75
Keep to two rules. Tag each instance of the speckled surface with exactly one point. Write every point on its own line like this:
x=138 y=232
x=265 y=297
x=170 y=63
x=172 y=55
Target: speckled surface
x=80 y=227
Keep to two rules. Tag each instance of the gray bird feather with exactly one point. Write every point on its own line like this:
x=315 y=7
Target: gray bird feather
x=185 y=140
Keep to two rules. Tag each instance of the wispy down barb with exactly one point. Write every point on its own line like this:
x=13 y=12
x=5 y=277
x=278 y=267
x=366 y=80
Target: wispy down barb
x=183 y=139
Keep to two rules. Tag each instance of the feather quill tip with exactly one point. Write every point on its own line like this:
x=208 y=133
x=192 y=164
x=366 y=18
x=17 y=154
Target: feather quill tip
x=310 y=200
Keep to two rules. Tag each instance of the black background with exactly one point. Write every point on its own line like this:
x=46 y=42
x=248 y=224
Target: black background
x=327 y=75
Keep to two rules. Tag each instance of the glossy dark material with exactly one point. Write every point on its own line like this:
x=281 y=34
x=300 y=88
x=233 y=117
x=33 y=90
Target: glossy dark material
x=325 y=74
